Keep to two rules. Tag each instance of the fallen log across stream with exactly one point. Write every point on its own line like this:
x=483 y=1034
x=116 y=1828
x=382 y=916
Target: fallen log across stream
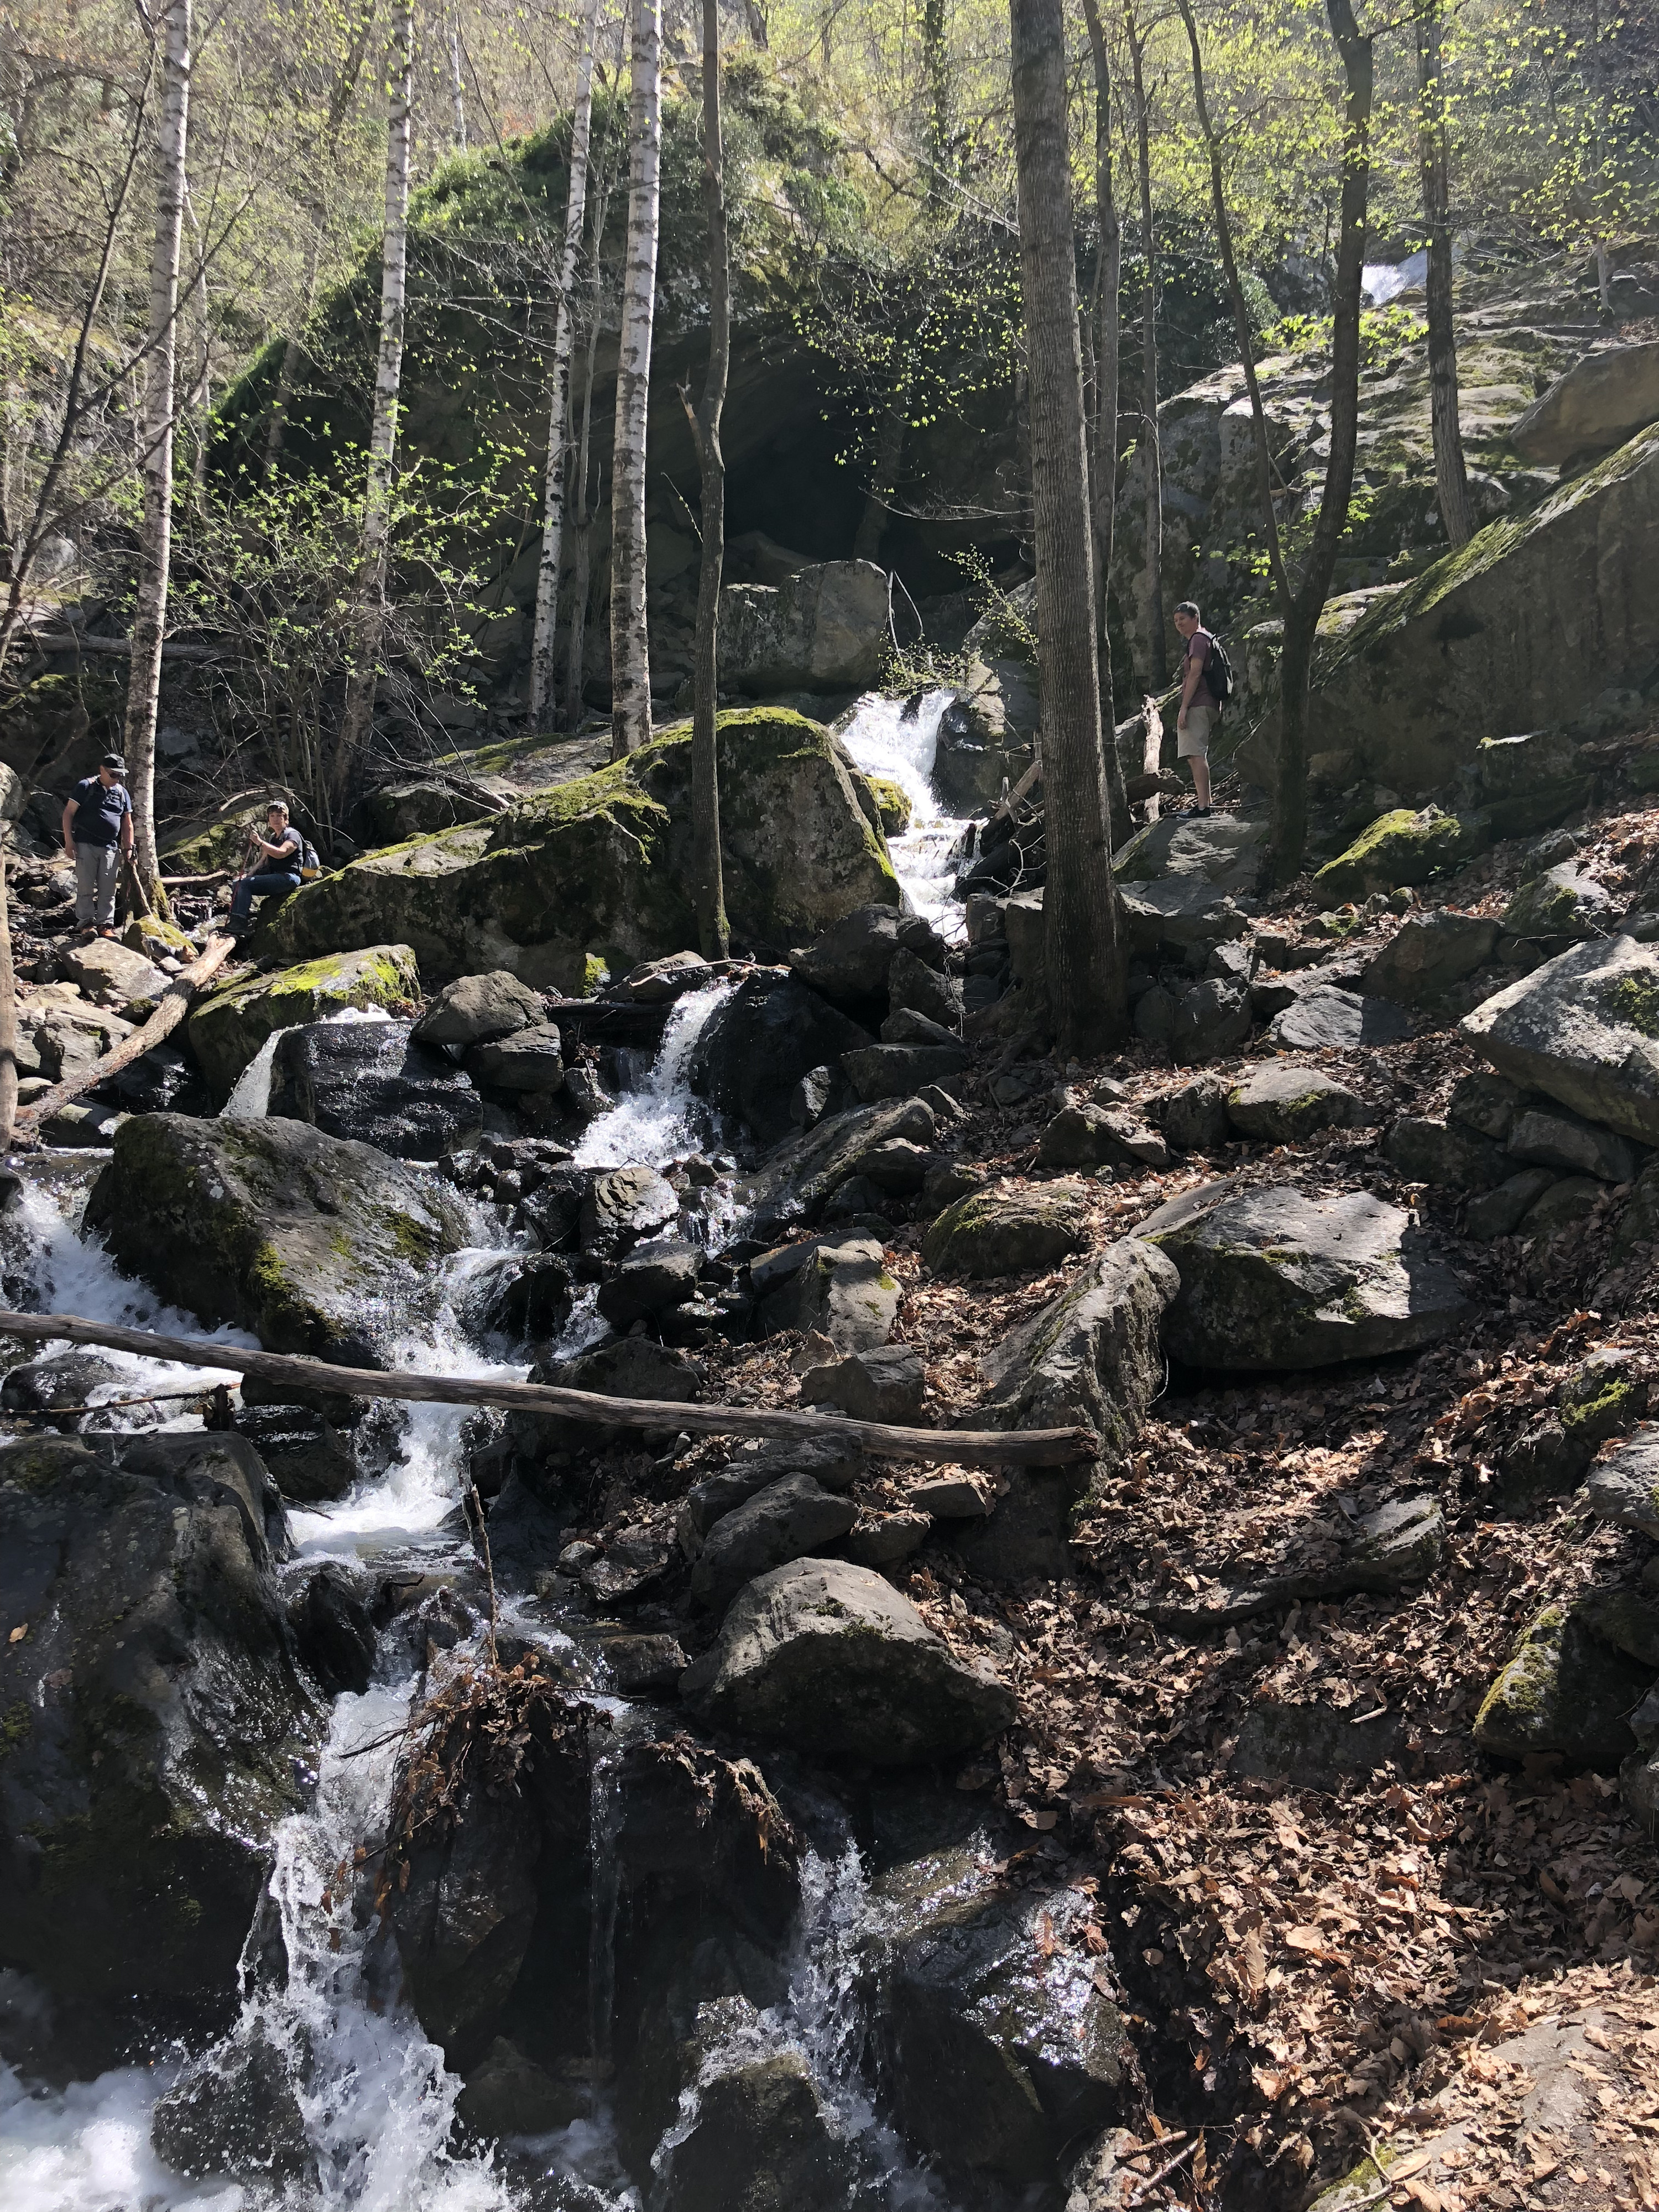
x=954 y=1447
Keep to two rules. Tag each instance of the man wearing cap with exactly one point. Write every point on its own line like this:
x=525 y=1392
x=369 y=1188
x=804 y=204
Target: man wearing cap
x=97 y=836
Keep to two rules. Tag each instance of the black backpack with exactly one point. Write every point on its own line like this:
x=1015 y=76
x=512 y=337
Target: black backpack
x=1219 y=672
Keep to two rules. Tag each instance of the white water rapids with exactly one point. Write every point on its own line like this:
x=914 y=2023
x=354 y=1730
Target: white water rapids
x=376 y=2098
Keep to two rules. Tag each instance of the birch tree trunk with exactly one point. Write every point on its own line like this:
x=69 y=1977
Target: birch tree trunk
x=8 y=1018
x=558 y=423
x=456 y=84
x=155 y=536
x=1451 y=478
x=1157 y=664
x=1082 y=949
x=709 y=886
x=370 y=611
x=1108 y=271
x=630 y=661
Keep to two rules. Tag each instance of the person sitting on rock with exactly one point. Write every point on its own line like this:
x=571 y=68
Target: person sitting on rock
x=1198 y=705
x=278 y=869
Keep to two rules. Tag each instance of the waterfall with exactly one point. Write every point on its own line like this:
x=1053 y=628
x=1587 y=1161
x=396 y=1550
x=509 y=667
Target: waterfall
x=883 y=738
x=662 y=1121
x=250 y=1095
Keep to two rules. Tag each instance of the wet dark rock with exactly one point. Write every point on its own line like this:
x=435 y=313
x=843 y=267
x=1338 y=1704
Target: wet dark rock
x=1211 y=1020
x=1281 y=1104
x=660 y=982
x=832 y=1465
x=531 y=1299
x=851 y=960
x=367 y=1082
x=1428 y=954
x=759 y=2141
x=157 y=1730
x=632 y=1563
x=993 y=1232
x=766 y=1038
x=829 y=1658
x=627 y=1367
x=879 y=1071
x=821 y=1090
x=237 y=2113
x=1274 y=1279
x=1327 y=1015
x=1002 y=2049
x=477 y=1009
x=1101 y=1136
x=166 y=1080
x=316 y=1244
x=332 y=1628
x=305 y=1455
x=792 y=1518
x=1501 y=1212
x=921 y=987
x=889 y=1384
x=1548 y=1137
x=660 y=1271
x=506 y=2094
x=798 y=1179
x=623 y=1204
x=530 y=1060
x=552 y=1212
x=641 y=1666
x=57 y=1379
x=1446 y=1154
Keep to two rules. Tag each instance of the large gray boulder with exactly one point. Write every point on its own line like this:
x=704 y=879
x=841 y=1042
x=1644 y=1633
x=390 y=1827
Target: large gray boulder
x=1225 y=850
x=843 y=1291
x=227 y=1029
x=824 y=628
x=370 y=1082
x=597 y=873
x=1625 y=1487
x=1274 y=1279
x=1280 y=1104
x=1584 y=1028
x=1600 y=402
x=828 y=1658
x=316 y=1244
x=1325 y=1015
x=1514 y=630
x=478 y=1009
x=1007 y=1232
x=800 y=1178
x=156 y=1730
x=1428 y=954
x=770 y=1033
x=790 y=1519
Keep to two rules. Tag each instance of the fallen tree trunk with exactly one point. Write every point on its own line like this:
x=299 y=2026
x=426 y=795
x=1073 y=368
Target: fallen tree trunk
x=173 y=1006
x=963 y=1447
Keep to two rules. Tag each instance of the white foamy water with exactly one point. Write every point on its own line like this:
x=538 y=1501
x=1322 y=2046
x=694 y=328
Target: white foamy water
x=662 y=1121
x=250 y=1095
x=884 y=739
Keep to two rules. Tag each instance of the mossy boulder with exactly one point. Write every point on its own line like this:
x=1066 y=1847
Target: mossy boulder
x=211 y=842
x=1277 y=1278
x=1398 y=848
x=227 y=1028
x=1565 y=902
x=1584 y=1029
x=316 y=1244
x=1005 y=1232
x=603 y=865
x=1563 y=1689
x=1514 y=630
x=155 y=1728
x=892 y=804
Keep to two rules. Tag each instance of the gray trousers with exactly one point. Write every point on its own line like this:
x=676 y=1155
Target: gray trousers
x=97 y=876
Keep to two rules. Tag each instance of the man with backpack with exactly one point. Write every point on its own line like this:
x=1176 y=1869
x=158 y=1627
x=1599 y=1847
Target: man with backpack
x=1205 y=684
x=282 y=852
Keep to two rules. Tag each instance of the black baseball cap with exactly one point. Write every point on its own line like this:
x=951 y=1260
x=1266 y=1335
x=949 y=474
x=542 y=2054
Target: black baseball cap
x=114 y=763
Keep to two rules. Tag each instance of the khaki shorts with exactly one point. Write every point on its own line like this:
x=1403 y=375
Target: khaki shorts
x=1192 y=743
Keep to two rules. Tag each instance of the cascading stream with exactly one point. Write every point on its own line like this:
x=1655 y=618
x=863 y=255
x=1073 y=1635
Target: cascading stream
x=883 y=738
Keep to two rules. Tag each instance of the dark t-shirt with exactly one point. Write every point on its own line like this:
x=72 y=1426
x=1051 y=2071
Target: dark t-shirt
x=285 y=863
x=1198 y=649
x=98 y=811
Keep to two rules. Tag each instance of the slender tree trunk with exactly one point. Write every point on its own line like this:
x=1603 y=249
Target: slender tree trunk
x=370 y=611
x=1103 y=452
x=558 y=422
x=937 y=83
x=580 y=583
x=1300 y=604
x=1451 y=479
x=631 y=639
x=156 y=537
x=197 y=402
x=8 y=1018
x=1158 y=664
x=710 y=890
x=1082 y=949
x=457 y=83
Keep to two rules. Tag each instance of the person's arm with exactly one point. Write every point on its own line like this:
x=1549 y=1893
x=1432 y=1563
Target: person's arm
x=70 y=812
x=126 y=831
x=1192 y=669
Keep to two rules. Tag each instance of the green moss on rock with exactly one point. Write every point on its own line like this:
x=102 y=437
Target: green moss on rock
x=1400 y=848
x=228 y=1027
x=1562 y=1690
x=992 y=1232
x=892 y=804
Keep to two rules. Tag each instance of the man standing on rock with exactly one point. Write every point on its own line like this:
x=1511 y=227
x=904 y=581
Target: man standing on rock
x=98 y=837
x=1198 y=705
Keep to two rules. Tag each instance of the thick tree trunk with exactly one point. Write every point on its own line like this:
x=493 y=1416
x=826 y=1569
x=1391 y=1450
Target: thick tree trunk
x=575 y=656
x=1300 y=604
x=370 y=611
x=1157 y=664
x=155 y=535
x=630 y=639
x=1103 y=452
x=709 y=887
x=1082 y=949
x=1451 y=479
x=544 y=655
x=8 y=1019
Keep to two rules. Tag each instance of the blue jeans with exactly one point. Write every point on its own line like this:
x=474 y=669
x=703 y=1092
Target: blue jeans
x=249 y=888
